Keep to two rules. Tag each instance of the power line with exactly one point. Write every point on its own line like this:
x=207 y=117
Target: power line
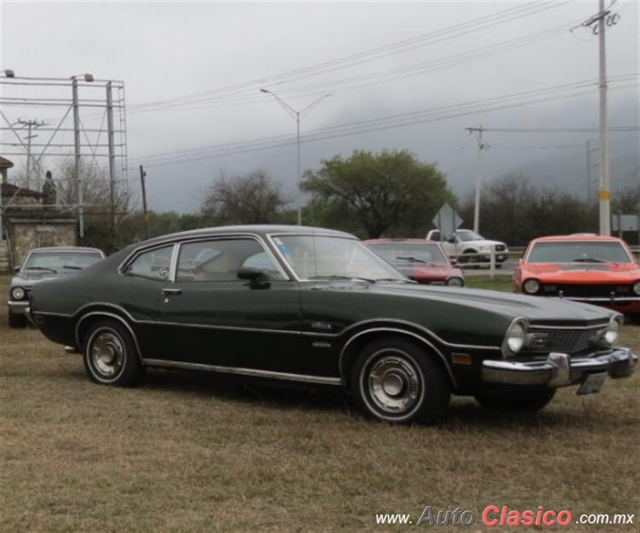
x=350 y=61
x=394 y=121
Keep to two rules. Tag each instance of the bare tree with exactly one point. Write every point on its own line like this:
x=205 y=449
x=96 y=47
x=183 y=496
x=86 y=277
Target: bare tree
x=250 y=199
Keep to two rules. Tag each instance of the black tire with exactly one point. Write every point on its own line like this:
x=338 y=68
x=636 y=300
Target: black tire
x=110 y=356
x=393 y=380
x=469 y=256
x=514 y=403
x=17 y=321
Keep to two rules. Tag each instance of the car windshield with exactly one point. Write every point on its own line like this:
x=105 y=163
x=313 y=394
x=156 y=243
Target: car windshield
x=578 y=252
x=61 y=261
x=325 y=257
x=402 y=253
x=468 y=235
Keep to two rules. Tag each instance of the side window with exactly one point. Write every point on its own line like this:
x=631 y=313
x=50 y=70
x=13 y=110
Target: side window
x=220 y=260
x=435 y=236
x=154 y=264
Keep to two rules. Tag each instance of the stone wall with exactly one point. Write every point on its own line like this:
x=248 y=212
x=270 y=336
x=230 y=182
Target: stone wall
x=28 y=234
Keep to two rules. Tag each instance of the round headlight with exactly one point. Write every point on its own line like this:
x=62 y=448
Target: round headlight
x=636 y=287
x=514 y=339
x=531 y=286
x=611 y=333
x=17 y=293
x=455 y=282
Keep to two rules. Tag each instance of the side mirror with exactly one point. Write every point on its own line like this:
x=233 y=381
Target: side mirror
x=16 y=269
x=256 y=277
x=454 y=261
x=249 y=273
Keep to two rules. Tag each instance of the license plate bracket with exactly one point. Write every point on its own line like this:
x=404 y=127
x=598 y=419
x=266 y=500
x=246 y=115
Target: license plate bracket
x=593 y=383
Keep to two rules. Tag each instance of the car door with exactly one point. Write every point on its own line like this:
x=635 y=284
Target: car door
x=211 y=317
x=147 y=273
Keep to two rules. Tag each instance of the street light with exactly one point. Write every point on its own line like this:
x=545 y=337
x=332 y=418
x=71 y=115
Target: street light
x=297 y=115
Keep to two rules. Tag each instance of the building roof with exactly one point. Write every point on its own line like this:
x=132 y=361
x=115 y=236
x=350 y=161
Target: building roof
x=5 y=163
x=9 y=190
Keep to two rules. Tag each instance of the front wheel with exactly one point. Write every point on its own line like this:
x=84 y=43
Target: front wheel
x=110 y=356
x=393 y=380
x=531 y=401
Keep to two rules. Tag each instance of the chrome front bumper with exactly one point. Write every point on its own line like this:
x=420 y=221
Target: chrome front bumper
x=559 y=370
x=17 y=307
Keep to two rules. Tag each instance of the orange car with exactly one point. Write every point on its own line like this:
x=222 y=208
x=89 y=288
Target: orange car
x=586 y=268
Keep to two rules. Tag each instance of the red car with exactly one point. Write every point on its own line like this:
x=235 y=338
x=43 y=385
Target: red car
x=586 y=268
x=420 y=260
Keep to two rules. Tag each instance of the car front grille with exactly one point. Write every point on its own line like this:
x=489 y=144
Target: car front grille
x=569 y=341
x=586 y=291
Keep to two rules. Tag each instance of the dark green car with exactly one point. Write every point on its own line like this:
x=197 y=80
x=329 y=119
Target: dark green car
x=317 y=306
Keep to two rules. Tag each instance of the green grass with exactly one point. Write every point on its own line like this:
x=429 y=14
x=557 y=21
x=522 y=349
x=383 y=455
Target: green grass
x=200 y=454
x=499 y=283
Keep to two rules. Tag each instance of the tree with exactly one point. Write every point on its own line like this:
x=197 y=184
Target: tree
x=382 y=193
x=250 y=199
x=513 y=210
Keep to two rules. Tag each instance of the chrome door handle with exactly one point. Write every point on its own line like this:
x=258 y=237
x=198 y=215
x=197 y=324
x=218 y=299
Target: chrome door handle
x=171 y=292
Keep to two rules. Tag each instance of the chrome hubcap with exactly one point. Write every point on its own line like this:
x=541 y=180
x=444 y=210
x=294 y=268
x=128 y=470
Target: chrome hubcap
x=394 y=384
x=107 y=354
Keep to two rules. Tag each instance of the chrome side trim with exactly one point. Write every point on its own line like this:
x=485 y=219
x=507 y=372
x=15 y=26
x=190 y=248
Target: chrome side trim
x=245 y=372
x=401 y=332
x=193 y=238
x=413 y=325
x=303 y=333
x=118 y=318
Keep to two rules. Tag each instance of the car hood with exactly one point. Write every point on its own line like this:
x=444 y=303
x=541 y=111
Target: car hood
x=538 y=310
x=431 y=271
x=586 y=272
x=484 y=242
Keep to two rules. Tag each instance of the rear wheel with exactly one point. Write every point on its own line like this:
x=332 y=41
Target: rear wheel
x=393 y=380
x=531 y=401
x=110 y=356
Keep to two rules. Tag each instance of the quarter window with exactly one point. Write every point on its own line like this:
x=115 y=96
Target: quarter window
x=154 y=264
x=220 y=260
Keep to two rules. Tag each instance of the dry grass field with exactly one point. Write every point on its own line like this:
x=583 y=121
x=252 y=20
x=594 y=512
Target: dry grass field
x=189 y=454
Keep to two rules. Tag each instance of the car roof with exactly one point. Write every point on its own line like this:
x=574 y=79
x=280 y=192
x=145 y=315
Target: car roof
x=259 y=229
x=577 y=237
x=54 y=249
x=388 y=241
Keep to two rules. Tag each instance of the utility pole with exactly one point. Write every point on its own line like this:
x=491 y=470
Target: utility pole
x=603 y=18
x=481 y=146
x=144 y=201
x=30 y=124
x=588 y=172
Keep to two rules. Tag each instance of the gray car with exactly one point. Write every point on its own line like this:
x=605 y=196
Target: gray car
x=45 y=263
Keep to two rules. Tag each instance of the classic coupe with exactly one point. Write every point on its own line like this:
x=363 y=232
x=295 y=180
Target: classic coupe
x=420 y=260
x=43 y=263
x=317 y=306
x=595 y=269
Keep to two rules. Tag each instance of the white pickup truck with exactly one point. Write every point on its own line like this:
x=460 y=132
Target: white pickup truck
x=468 y=247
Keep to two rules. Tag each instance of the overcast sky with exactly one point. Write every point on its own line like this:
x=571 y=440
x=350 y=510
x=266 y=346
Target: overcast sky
x=435 y=67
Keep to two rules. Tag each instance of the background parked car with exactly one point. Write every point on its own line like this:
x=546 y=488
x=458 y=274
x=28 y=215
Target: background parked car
x=594 y=269
x=43 y=263
x=469 y=247
x=420 y=260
